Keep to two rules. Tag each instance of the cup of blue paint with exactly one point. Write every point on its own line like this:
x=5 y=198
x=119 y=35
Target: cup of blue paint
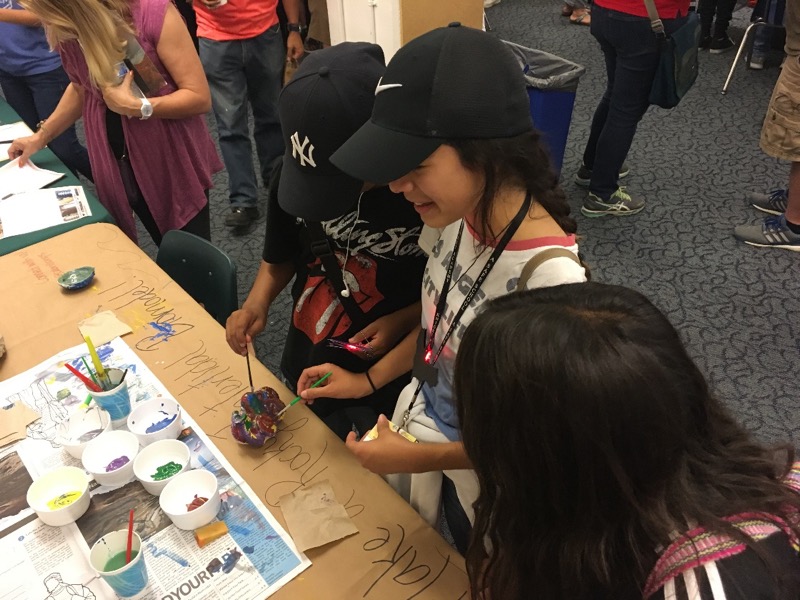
x=107 y=557
x=116 y=401
x=155 y=420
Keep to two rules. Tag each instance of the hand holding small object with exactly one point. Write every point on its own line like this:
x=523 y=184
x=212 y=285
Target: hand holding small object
x=121 y=98
x=388 y=453
x=340 y=384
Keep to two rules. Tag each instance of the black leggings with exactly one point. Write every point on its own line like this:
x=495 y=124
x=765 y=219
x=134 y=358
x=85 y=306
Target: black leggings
x=200 y=224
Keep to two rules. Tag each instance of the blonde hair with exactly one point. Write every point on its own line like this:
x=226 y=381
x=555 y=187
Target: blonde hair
x=99 y=26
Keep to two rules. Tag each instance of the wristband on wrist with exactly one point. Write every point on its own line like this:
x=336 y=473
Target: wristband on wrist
x=293 y=27
x=41 y=127
x=371 y=383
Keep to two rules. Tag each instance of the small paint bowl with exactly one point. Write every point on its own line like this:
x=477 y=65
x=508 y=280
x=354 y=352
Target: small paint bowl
x=182 y=490
x=60 y=497
x=109 y=457
x=156 y=419
x=83 y=425
x=157 y=456
x=77 y=278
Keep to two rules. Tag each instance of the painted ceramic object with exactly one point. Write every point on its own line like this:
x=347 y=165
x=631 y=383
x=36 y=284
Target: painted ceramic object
x=256 y=421
x=77 y=278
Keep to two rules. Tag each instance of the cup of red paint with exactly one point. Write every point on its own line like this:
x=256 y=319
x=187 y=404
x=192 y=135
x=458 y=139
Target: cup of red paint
x=107 y=557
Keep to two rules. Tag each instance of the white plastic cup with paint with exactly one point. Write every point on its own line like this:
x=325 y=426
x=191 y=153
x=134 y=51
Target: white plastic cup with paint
x=116 y=401
x=107 y=558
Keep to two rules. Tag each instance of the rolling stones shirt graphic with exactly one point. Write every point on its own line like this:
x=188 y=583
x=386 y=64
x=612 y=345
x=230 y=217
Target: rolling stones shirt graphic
x=319 y=312
x=377 y=258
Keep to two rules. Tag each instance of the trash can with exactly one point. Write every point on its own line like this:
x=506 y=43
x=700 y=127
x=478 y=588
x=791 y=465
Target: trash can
x=552 y=83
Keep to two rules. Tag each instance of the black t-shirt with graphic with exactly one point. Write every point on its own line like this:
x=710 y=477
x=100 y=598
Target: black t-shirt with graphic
x=383 y=271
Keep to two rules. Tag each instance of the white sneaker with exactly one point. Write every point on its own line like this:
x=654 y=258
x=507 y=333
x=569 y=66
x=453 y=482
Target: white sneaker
x=490 y=3
x=757 y=63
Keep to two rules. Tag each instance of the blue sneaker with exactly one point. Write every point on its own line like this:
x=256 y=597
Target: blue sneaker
x=772 y=232
x=773 y=203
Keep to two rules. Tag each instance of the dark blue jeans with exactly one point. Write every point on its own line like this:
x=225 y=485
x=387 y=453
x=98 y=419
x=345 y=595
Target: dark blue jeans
x=239 y=71
x=631 y=53
x=35 y=97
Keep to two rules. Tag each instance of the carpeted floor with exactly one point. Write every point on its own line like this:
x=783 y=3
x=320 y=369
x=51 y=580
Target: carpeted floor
x=736 y=306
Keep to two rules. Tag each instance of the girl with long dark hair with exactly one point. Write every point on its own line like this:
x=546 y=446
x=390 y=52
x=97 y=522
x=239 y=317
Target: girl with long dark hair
x=607 y=468
x=452 y=131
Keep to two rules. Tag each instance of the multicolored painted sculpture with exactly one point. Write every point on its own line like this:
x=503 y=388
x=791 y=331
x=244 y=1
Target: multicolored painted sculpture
x=257 y=420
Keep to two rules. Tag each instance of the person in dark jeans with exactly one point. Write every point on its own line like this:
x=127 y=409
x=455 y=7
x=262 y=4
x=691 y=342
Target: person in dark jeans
x=631 y=53
x=33 y=81
x=715 y=16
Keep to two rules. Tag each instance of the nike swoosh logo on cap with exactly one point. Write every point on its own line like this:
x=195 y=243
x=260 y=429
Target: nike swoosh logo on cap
x=387 y=86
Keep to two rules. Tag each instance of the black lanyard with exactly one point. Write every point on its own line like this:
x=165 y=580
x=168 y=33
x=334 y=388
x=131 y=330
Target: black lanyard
x=430 y=357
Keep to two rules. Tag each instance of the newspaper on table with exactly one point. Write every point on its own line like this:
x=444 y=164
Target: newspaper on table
x=253 y=560
x=34 y=210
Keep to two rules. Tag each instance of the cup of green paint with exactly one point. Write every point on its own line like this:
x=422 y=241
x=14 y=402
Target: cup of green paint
x=107 y=557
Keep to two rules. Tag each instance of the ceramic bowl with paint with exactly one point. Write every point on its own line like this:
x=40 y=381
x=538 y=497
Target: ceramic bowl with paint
x=156 y=464
x=60 y=497
x=109 y=457
x=191 y=499
x=156 y=419
x=83 y=425
x=77 y=278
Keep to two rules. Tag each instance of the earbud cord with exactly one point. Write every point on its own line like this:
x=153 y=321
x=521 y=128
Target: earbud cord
x=347 y=250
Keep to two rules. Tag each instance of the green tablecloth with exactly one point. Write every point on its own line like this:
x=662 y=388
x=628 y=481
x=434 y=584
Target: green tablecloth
x=47 y=160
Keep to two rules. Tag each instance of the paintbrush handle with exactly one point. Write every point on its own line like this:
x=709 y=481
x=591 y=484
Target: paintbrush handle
x=86 y=381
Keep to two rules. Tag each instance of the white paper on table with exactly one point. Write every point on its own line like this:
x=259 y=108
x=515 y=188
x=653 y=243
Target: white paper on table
x=15 y=179
x=4 y=151
x=13 y=131
x=32 y=211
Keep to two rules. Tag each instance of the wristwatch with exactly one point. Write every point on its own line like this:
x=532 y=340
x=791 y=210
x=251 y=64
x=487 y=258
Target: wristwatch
x=293 y=27
x=147 y=109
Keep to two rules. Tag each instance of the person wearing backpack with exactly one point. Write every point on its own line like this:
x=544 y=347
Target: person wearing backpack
x=608 y=469
x=351 y=247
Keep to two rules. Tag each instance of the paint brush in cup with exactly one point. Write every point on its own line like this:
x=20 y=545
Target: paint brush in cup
x=86 y=381
x=297 y=399
x=89 y=371
x=130 y=538
x=98 y=366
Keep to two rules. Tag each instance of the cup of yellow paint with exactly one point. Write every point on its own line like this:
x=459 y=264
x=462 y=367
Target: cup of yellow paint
x=60 y=497
x=107 y=557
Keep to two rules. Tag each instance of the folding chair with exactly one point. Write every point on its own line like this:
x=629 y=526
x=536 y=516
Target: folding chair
x=204 y=271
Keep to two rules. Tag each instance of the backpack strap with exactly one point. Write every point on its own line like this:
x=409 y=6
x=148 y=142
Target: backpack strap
x=322 y=249
x=540 y=258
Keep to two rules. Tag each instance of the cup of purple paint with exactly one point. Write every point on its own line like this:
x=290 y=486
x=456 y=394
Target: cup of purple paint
x=156 y=419
x=109 y=457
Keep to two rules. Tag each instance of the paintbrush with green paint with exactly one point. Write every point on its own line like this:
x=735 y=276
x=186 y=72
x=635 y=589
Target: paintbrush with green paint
x=298 y=398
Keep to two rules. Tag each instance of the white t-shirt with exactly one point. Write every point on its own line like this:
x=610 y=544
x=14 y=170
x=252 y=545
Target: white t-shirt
x=470 y=260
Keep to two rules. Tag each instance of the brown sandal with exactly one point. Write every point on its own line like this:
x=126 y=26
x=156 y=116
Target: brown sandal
x=566 y=10
x=581 y=16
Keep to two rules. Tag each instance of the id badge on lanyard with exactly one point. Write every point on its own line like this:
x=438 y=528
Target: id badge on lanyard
x=424 y=370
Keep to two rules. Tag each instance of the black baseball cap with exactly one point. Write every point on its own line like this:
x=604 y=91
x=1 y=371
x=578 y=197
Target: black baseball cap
x=328 y=99
x=454 y=82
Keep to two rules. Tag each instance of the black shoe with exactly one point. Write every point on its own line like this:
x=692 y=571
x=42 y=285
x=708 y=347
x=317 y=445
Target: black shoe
x=241 y=216
x=721 y=44
x=705 y=42
x=584 y=175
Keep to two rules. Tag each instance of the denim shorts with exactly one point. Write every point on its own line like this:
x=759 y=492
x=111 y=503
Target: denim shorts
x=780 y=135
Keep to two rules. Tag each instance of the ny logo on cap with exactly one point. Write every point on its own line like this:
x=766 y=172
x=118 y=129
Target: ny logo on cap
x=298 y=148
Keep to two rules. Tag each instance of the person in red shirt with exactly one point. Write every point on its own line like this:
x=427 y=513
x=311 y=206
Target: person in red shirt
x=631 y=52
x=242 y=51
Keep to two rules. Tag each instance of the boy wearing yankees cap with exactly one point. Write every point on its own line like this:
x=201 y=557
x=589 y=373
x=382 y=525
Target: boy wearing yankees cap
x=351 y=247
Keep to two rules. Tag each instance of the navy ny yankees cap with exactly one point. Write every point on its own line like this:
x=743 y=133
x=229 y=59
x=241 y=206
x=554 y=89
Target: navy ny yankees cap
x=328 y=99
x=450 y=83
